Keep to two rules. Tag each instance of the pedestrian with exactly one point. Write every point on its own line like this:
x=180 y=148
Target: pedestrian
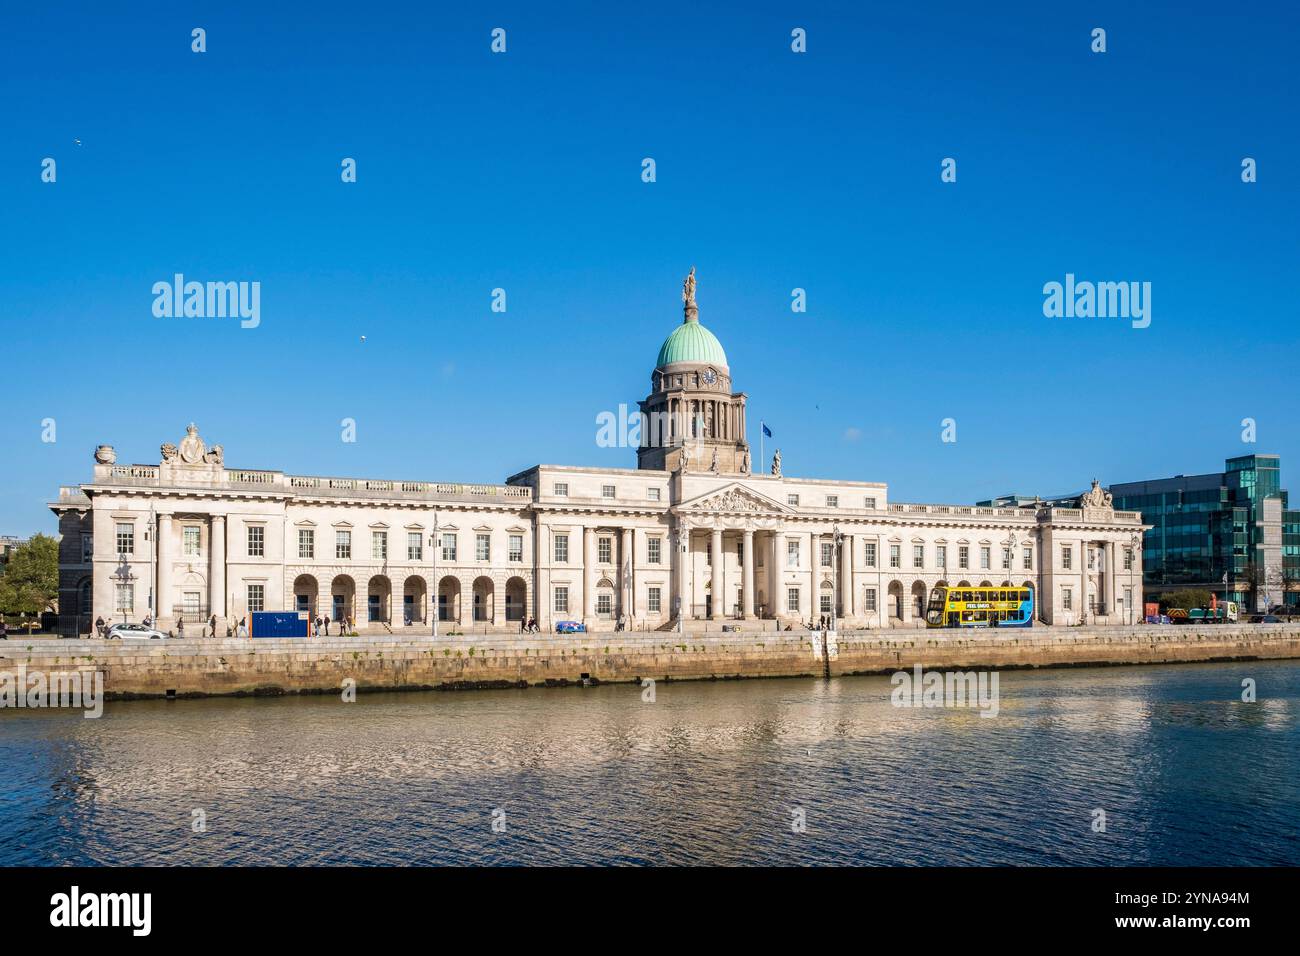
x=319 y=623
x=327 y=627
x=523 y=625
x=4 y=630
x=99 y=625
x=242 y=631
x=180 y=628
x=213 y=624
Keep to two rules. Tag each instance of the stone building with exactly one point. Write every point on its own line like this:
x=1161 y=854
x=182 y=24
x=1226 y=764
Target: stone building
x=695 y=530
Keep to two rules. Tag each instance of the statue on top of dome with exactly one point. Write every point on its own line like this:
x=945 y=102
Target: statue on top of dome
x=688 y=295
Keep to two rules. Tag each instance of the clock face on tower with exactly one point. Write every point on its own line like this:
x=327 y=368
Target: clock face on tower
x=710 y=376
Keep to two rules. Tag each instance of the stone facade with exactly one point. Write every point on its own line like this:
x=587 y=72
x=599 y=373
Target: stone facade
x=697 y=531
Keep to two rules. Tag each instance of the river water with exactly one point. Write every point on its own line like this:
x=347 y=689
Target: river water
x=723 y=772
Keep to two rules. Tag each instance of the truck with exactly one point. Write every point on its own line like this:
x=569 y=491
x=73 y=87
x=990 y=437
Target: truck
x=1225 y=613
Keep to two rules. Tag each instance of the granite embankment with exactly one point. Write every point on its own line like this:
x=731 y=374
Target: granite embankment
x=277 y=666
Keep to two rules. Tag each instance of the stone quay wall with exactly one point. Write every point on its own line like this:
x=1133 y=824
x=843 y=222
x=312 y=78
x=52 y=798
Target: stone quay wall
x=195 y=667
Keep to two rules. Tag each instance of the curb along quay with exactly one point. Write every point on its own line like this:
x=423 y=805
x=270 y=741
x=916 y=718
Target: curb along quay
x=272 y=666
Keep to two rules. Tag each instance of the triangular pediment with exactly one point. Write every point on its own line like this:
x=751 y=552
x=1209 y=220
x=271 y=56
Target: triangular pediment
x=734 y=498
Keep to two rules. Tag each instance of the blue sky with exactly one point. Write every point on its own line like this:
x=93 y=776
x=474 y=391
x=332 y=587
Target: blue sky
x=775 y=171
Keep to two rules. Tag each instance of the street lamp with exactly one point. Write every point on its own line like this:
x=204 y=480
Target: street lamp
x=124 y=577
x=681 y=542
x=1011 y=560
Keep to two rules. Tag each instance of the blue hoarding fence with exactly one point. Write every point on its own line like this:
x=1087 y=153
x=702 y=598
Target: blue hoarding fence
x=281 y=624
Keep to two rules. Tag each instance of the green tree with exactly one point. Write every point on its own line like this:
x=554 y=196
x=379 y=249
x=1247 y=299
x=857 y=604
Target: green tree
x=1186 y=599
x=30 y=581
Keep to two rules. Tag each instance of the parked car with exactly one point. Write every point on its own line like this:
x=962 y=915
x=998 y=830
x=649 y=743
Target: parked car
x=1266 y=619
x=133 y=632
x=570 y=627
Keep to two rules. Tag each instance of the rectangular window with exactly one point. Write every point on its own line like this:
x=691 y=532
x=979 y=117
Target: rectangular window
x=870 y=556
x=791 y=553
x=740 y=553
x=125 y=537
x=986 y=557
x=87 y=548
x=828 y=554
x=125 y=598
x=306 y=543
x=190 y=541
x=415 y=546
x=604 y=549
x=654 y=494
x=655 y=550
x=562 y=491
x=918 y=555
x=832 y=501
x=1067 y=557
x=1067 y=598
x=1128 y=597
x=869 y=603
x=607 y=491
x=449 y=547
x=870 y=504
x=562 y=599
x=653 y=600
x=483 y=547
x=1028 y=559
x=343 y=545
x=379 y=545
x=895 y=556
x=941 y=555
x=604 y=603
x=1006 y=559
x=1128 y=559
x=826 y=603
x=792 y=600
x=256 y=598
x=562 y=550
x=963 y=556
x=256 y=541
x=516 y=550
x=792 y=500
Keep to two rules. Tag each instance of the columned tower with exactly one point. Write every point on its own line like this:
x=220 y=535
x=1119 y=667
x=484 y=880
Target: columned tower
x=692 y=418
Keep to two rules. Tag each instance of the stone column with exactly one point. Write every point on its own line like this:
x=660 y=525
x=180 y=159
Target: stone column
x=846 y=575
x=681 y=564
x=715 y=590
x=162 y=602
x=1110 y=580
x=588 y=580
x=1083 y=564
x=625 y=573
x=217 y=569
x=774 y=575
x=749 y=575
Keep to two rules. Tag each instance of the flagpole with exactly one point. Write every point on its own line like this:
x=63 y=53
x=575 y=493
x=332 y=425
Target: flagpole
x=762 y=456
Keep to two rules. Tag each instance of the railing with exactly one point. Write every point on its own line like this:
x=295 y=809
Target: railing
x=192 y=613
x=134 y=471
x=958 y=510
x=254 y=477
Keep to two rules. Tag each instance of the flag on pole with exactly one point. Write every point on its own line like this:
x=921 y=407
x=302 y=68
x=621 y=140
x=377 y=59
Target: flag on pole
x=767 y=432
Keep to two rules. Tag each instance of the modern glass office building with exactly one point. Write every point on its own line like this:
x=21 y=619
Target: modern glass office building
x=1230 y=532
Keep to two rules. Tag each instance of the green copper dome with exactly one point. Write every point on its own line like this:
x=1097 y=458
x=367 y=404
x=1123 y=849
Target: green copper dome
x=692 y=342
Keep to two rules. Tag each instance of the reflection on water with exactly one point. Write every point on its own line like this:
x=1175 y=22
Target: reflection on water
x=709 y=773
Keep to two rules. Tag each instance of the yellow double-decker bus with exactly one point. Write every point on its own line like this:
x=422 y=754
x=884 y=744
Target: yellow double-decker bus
x=986 y=606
